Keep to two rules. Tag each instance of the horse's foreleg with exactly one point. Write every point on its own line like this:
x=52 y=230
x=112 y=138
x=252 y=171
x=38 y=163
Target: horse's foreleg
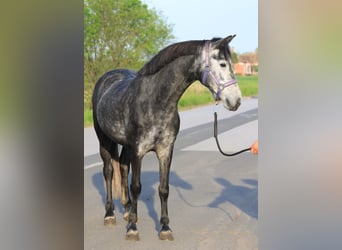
x=108 y=175
x=132 y=231
x=165 y=157
x=125 y=159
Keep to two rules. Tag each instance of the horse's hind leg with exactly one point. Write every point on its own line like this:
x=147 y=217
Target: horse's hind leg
x=106 y=155
x=125 y=160
x=132 y=231
x=164 y=154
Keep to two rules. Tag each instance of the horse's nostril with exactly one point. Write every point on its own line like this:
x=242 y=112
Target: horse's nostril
x=231 y=106
x=238 y=102
x=228 y=103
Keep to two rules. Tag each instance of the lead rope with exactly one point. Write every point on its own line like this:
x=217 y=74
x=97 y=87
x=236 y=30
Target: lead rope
x=218 y=144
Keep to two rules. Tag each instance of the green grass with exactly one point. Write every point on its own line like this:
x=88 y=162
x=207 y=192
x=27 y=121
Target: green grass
x=248 y=85
x=194 y=96
x=197 y=95
x=88 y=117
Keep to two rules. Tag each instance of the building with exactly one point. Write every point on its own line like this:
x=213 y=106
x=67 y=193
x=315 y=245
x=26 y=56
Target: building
x=243 y=69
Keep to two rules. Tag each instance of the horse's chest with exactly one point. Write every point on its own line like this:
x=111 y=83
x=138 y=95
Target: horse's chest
x=149 y=139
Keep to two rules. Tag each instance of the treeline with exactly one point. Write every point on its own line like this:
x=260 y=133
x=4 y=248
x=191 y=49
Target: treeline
x=119 y=34
x=246 y=57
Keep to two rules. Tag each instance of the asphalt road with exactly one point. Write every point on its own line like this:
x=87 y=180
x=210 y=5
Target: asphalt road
x=213 y=201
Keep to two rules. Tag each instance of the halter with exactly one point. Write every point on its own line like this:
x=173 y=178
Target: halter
x=220 y=86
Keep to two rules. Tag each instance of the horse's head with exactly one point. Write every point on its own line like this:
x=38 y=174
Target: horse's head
x=217 y=72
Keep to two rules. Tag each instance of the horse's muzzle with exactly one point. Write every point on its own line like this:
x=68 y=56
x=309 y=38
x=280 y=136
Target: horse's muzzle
x=232 y=107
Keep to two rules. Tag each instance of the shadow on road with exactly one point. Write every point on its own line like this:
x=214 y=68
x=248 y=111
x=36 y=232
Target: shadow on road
x=244 y=198
x=149 y=182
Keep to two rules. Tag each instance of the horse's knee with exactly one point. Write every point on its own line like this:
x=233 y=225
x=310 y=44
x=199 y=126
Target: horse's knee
x=135 y=189
x=164 y=192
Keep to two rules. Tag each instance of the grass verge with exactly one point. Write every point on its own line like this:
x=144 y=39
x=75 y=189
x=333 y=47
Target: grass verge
x=88 y=117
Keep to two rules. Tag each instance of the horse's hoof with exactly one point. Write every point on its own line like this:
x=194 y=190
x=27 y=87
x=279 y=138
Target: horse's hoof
x=132 y=235
x=165 y=233
x=132 y=232
x=109 y=221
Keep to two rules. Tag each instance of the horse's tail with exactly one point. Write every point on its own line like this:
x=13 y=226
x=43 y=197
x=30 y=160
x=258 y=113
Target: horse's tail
x=116 y=181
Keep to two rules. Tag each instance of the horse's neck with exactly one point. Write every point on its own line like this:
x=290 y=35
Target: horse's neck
x=174 y=79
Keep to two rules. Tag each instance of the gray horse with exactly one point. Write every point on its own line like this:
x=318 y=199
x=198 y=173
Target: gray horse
x=138 y=110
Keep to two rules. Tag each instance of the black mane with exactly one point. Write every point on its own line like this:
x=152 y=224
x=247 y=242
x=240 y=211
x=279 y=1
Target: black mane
x=174 y=51
x=169 y=54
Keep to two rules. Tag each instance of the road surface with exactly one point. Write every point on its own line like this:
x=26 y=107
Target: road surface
x=213 y=201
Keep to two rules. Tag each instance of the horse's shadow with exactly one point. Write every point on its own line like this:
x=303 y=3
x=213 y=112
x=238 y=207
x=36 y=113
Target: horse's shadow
x=148 y=180
x=244 y=198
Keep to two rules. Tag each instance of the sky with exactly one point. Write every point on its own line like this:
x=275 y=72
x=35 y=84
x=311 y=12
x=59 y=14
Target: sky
x=198 y=20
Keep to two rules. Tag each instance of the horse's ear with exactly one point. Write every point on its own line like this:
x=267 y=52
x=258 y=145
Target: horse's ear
x=222 y=42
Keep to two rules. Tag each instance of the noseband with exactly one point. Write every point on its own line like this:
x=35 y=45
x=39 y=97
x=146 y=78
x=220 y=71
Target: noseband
x=220 y=86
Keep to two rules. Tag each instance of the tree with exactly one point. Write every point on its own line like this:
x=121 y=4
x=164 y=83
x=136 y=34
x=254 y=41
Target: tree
x=120 y=34
x=234 y=55
x=248 y=57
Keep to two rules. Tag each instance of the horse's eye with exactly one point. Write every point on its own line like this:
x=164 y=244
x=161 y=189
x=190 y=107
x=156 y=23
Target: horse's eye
x=222 y=64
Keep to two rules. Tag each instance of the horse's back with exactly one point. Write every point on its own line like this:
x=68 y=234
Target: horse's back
x=109 y=79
